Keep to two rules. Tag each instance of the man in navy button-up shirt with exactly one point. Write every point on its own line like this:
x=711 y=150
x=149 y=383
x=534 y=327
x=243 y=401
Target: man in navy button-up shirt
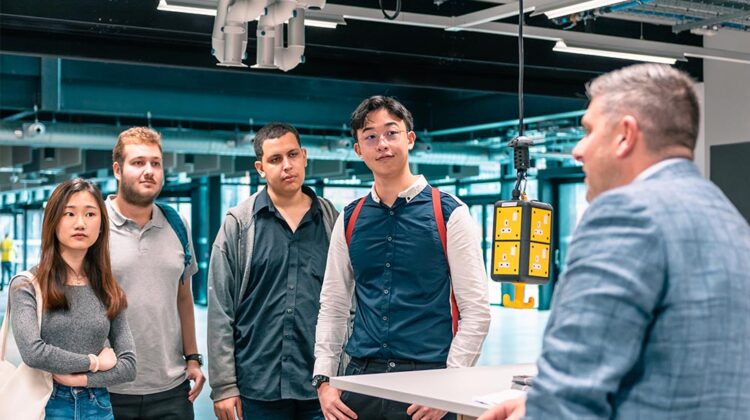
x=266 y=272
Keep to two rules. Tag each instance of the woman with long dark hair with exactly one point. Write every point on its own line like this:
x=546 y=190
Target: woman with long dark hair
x=83 y=307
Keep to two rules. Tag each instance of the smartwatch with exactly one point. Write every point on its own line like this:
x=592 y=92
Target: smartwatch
x=318 y=380
x=195 y=356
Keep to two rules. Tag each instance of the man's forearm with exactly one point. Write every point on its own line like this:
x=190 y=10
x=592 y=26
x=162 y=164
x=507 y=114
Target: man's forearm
x=186 y=311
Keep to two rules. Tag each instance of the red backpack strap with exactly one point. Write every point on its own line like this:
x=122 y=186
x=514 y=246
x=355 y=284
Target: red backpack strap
x=353 y=220
x=437 y=208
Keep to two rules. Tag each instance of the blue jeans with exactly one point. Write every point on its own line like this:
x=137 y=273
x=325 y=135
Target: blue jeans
x=76 y=403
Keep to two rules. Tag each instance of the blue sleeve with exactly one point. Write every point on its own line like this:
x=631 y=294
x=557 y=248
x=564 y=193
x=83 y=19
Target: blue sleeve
x=601 y=312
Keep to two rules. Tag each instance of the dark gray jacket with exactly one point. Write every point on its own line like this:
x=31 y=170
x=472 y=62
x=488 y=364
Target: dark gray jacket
x=228 y=277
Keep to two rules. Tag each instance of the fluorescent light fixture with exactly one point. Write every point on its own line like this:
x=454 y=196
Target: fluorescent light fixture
x=604 y=51
x=571 y=7
x=320 y=24
x=318 y=19
x=187 y=6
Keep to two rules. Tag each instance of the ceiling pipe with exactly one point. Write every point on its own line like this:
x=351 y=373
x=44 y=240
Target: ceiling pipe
x=278 y=21
x=62 y=135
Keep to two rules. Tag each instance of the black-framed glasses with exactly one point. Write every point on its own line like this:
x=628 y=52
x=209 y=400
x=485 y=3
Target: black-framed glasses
x=373 y=139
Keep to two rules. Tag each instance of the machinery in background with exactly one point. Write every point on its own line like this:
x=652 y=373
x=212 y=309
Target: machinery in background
x=280 y=32
x=522 y=229
x=522 y=235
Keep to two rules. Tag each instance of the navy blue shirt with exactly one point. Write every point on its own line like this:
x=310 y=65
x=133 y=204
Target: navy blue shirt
x=402 y=281
x=275 y=322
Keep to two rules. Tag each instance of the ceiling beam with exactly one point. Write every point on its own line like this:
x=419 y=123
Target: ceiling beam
x=535 y=32
x=712 y=21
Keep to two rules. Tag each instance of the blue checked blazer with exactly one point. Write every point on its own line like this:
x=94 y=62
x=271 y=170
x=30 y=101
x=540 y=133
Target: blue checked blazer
x=651 y=319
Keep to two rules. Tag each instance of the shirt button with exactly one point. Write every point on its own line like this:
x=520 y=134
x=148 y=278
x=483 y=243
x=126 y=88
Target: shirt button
x=385 y=318
x=386 y=291
x=391 y=212
x=289 y=311
x=287 y=336
x=388 y=265
x=385 y=345
x=390 y=238
x=291 y=287
x=392 y=364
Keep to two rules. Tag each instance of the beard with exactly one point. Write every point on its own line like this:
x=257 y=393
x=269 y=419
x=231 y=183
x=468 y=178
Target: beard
x=130 y=195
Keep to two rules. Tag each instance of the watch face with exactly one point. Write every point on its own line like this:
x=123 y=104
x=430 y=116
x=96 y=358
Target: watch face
x=318 y=380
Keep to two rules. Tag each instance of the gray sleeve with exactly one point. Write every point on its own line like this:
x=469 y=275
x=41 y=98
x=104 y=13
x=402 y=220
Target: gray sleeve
x=603 y=307
x=122 y=343
x=222 y=279
x=34 y=351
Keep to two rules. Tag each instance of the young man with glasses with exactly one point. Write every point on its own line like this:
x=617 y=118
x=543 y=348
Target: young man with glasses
x=405 y=255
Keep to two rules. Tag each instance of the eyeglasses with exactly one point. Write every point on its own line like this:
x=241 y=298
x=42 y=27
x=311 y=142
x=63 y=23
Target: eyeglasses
x=374 y=138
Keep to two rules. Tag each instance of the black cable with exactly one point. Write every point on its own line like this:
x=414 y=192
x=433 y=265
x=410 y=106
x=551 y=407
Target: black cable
x=520 y=67
x=395 y=13
x=520 y=149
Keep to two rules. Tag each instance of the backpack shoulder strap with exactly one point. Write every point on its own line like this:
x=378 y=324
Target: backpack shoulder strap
x=175 y=221
x=437 y=208
x=353 y=219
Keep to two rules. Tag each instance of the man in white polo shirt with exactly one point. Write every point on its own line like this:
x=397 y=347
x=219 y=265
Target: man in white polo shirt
x=148 y=260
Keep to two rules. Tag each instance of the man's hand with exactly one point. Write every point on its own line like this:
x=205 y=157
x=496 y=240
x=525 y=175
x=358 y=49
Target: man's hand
x=194 y=373
x=76 y=379
x=225 y=409
x=107 y=359
x=510 y=410
x=419 y=412
x=331 y=404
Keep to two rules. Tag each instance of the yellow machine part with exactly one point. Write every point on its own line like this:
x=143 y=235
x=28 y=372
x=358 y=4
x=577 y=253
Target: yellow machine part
x=541 y=222
x=508 y=226
x=507 y=256
x=539 y=260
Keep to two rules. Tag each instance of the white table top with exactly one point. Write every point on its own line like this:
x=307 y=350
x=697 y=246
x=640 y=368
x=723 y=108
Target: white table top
x=453 y=390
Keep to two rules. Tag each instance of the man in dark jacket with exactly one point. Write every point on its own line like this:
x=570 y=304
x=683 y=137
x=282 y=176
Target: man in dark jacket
x=265 y=276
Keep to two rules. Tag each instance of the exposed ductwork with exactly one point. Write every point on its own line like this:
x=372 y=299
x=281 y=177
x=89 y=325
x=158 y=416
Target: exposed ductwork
x=280 y=32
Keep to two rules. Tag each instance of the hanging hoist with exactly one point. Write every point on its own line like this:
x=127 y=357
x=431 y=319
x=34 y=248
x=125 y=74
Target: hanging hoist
x=522 y=228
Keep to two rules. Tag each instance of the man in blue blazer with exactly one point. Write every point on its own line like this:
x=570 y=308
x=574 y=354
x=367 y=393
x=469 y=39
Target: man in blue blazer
x=650 y=320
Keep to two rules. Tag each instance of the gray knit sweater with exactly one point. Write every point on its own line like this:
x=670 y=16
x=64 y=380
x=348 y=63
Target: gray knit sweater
x=68 y=337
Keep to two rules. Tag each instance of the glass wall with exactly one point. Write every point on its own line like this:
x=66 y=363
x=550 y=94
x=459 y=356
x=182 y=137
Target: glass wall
x=572 y=205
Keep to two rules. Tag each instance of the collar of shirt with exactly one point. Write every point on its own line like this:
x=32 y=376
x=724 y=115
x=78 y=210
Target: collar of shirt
x=263 y=201
x=656 y=167
x=157 y=217
x=408 y=194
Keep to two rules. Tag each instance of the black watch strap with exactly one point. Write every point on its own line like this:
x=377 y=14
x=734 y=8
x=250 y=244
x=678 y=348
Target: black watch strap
x=318 y=380
x=195 y=356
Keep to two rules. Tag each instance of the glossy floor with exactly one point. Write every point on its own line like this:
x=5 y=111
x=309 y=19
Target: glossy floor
x=515 y=337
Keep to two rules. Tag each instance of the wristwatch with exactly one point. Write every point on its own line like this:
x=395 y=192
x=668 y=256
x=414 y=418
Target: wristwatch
x=195 y=356
x=318 y=380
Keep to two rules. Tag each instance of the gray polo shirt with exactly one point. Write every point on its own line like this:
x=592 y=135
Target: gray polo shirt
x=148 y=264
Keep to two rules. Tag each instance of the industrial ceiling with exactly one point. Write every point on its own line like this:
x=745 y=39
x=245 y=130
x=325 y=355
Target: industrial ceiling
x=92 y=67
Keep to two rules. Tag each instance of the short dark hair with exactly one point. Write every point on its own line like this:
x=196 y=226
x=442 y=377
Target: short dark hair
x=374 y=103
x=272 y=130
